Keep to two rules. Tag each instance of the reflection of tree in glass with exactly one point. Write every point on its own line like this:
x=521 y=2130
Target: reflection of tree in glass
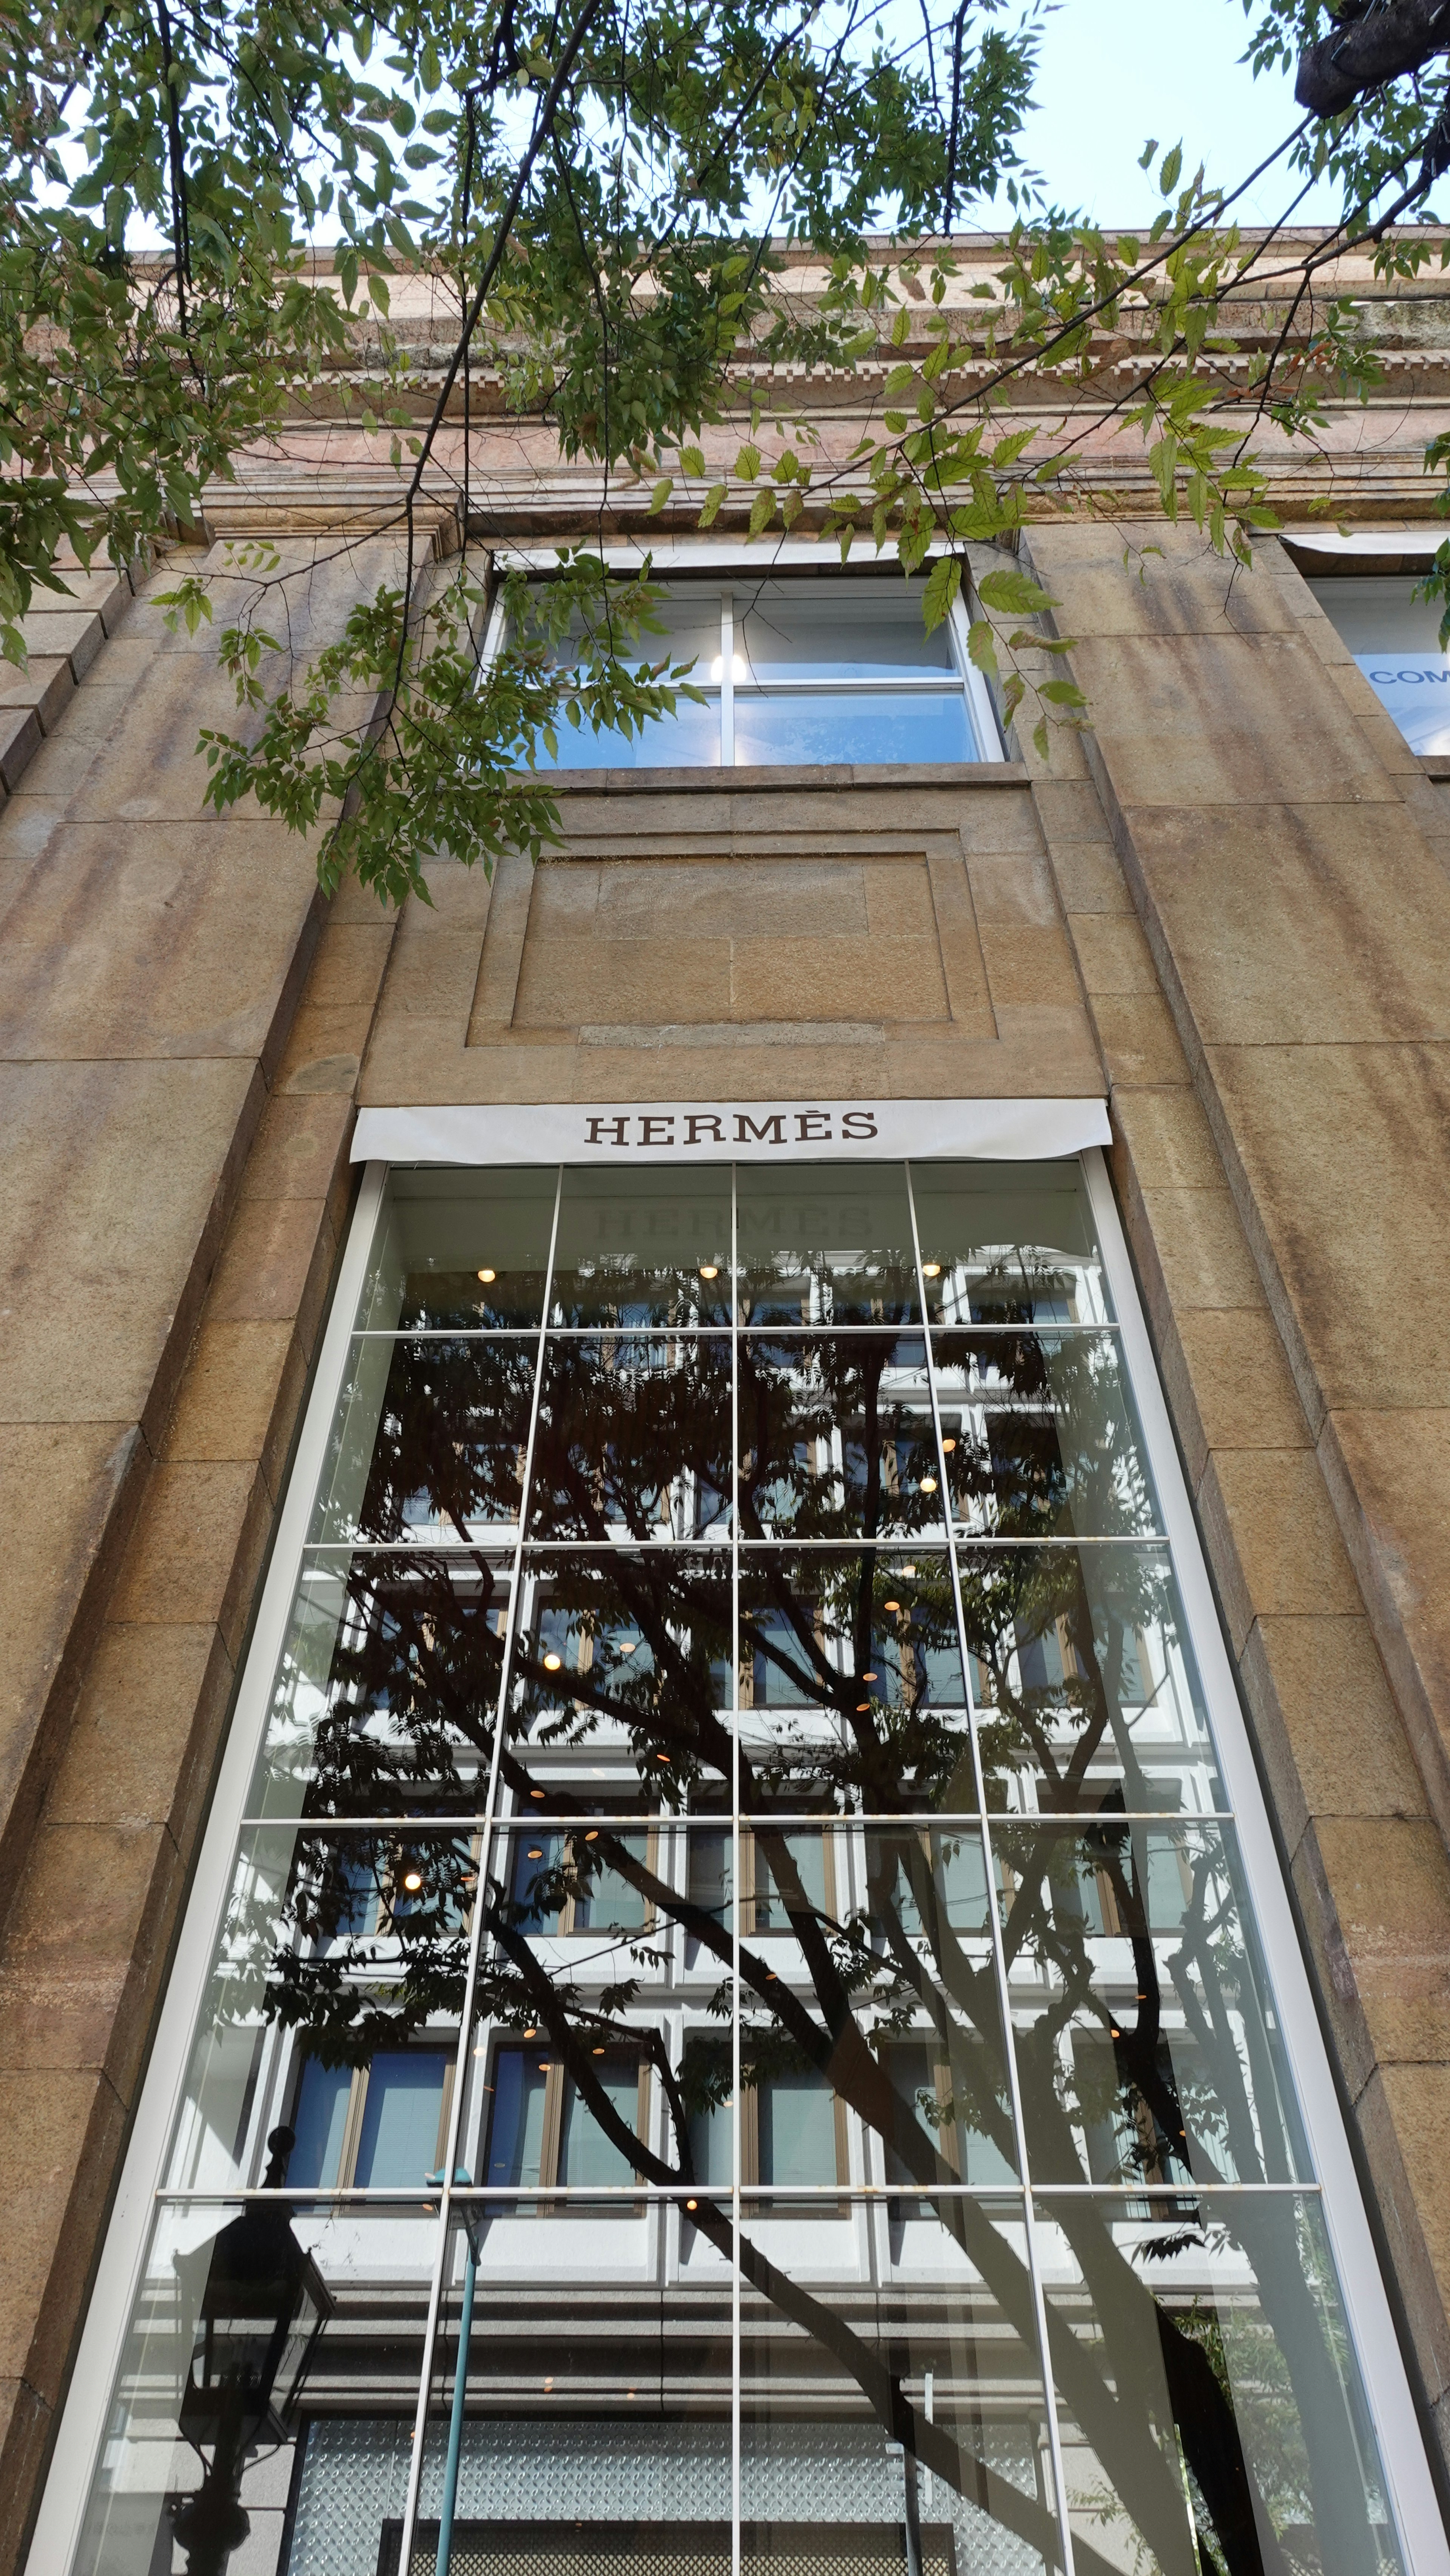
x=1143 y=2390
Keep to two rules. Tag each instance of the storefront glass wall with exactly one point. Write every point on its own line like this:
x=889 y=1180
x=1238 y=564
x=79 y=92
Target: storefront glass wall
x=737 y=1796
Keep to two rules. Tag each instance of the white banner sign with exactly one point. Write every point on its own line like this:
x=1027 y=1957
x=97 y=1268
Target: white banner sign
x=1414 y=688
x=658 y=1131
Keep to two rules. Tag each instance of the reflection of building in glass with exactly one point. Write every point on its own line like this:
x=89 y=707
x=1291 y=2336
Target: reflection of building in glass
x=739 y=1978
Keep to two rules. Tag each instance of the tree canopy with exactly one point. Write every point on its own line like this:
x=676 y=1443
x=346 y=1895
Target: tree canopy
x=603 y=193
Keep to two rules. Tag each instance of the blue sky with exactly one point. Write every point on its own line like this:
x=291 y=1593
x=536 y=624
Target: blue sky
x=1115 y=71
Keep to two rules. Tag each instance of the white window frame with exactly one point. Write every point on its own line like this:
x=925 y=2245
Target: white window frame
x=1411 y=2497
x=737 y=570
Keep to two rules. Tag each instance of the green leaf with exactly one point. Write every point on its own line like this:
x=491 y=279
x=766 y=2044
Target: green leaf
x=982 y=647
x=661 y=493
x=692 y=462
x=747 y=464
x=1168 y=175
x=1013 y=593
x=711 y=506
x=944 y=583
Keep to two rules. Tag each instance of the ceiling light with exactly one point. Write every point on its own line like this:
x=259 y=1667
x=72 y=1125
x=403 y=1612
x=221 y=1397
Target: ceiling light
x=543 y=2066
x=932 y=1269
x=413 y=1880
x=662 y=1757
x=552 y=1663
x=536 y=1853
x=532 y=2032
x=488 y=1277
x=861 y=1706
x=692 y=2204
x=868 y=1677
x=908 y=1571
x=949 y=1446
x=598 y=2052
x=891 y=1605
x=928 y=1484
x=709 y=1269
x=593 y=1834
x=628 y=1646
x=536 y=1793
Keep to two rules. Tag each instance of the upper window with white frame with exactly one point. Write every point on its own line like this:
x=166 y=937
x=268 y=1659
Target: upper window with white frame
x=801 y=669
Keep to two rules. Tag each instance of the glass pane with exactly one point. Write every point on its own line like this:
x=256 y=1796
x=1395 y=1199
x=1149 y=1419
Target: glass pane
x=853 y=725
x=254 y=2327
x=1147 y=2044
x=431 y=1441
x=685 y=625
x=459 y=1250
x=850 y=1688
x=837 y=1439
x=1084 y=1682
x=592 y=2434
x=830 y=630
x=565 y=1880
x=647 y=1247
x=1038 y=1437
x=825 y=1244
x=1008 y=1244
x=893 y=2377
x=628 y=1656
x=1395 y=640
x=387 y=1691
x=689 y=739
x=1245 y=2444
x=633 y=1438
x=341 y=1954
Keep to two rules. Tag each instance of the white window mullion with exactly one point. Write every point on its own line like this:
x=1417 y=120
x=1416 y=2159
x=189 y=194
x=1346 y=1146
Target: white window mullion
x=727 y=679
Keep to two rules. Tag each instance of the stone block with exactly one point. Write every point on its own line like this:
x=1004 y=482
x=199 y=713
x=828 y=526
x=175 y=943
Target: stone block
x=1346 y=1151
x=1223 y=720
x=25 y=2430
x=1390 y=1474
x=563 y=981
x=1029 y=967
x=1211 y=596
x=1136 y=1032
x=1114 y=957
x=898 y=893
x=1405 y=2118
x=1273 y=1539
x=72 y=634
x=300 y=1151
x=1014 y=891
x=275 y=1266
x=351 y=961
x=1326 y=1722
x=1199 y=1248
x=1000 y=822
x=105 y=1281
x=1169 y=1140
x=436 y=974
x=85 y=1946
x=103 y=592
x=1389 y=1880
x=1299 y=923
x=324 y=1049
x=1069 y=811
x=72 y=1489
x=20 y=740
x=197 y=1550
x=239 y=1375
x=1241 y=1387
x=47 y=684
x=51 y=2202
x=146 y=1729
x=823 y=977
x=156 y=940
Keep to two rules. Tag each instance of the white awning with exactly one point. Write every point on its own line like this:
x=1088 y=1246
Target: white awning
x=662 y=1131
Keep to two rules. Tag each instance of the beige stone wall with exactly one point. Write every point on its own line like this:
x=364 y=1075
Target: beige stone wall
x=1252 y=866
x=180 y=1031
x=1228 y=910
x=827 y=934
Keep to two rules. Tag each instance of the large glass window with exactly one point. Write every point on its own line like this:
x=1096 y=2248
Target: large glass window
x=734 y=2015
x=820 y=669
x=1395 y=640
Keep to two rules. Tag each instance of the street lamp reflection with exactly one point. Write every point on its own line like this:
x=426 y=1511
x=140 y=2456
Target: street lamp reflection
x=261 y=2310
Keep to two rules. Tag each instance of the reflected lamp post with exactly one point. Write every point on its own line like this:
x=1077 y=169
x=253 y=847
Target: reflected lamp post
x=262 y=2309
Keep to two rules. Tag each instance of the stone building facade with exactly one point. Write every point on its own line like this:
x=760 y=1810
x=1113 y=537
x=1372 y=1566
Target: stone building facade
x=1222 y=913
